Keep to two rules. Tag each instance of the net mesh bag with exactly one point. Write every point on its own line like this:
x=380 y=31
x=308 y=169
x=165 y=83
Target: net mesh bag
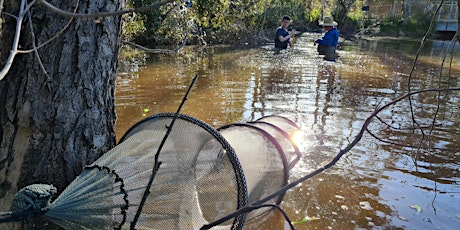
x=287 y=125
x=199 y=180
x=267 y=151
x=203 y=175
x=262 y=159
x=284 y=139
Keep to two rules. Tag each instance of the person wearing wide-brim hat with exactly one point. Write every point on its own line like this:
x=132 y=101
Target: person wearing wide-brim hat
x=328 y=43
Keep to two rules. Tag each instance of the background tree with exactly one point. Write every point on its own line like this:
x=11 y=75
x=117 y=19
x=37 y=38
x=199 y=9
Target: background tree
x=222 y=21
x=57 y=100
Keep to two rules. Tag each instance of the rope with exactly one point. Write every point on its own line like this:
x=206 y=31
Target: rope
x=29 y=202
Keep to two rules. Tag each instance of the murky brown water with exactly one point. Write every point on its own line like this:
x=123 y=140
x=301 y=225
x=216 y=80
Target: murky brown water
x=377 y=184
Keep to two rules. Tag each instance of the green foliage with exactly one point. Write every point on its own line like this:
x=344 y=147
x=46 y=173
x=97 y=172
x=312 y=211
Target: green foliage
x=315 y=14
x=174 y=26
x=391 y=25
x=355 y=15
x=367 y=23
x=241 y=21
x=133 y=25
x=167 y=25
x=301 y=12
x=211 y=13
x=415 y=25
x=217 y=21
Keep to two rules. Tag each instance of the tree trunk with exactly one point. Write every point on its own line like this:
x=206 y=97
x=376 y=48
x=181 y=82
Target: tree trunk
x=405 y=10
x=53 y=124
x=457 y=34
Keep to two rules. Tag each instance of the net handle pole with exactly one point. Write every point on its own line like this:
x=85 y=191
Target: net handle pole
x=157 y=155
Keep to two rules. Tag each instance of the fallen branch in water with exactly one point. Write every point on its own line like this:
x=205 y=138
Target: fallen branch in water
x=364 y=128
x=157 y=50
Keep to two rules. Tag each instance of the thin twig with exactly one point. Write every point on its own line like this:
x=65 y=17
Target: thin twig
x=153 y=6
x=409 y=82
x=54 y=36
x=342 y=152
x=157 y=155
x=422 y=44
x=13 y=52
x=407 y=146
x=158 y=50
x=35 y=49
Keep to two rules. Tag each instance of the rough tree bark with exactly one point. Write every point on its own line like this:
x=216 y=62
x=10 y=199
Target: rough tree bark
x=53 y=124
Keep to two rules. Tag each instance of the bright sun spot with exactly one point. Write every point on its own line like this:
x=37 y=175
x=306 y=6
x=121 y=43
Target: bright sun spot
x=297 y=137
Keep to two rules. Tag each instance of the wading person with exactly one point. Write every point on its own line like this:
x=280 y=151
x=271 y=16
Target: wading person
x=328 y=43
x=283 y=36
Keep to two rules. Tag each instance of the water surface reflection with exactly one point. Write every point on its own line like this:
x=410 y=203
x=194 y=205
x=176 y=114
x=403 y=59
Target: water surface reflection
x=379 y=184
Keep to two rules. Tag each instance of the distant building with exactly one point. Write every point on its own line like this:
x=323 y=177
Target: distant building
x=446 y=19
x=447 y=16
x=380 y=9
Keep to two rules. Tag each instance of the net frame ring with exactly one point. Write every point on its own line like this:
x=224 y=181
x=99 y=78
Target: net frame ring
x=242 y=199
x=280 y=151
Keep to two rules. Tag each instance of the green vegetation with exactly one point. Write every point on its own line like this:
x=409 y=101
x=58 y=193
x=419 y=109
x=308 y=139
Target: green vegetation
x=416 y=25
x=253 y=21
x=217 y=21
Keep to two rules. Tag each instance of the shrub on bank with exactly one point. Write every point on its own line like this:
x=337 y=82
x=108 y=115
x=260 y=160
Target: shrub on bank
x=414 y=26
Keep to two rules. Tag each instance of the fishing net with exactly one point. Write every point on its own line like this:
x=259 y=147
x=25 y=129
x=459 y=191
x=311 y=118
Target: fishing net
x=283 y=138
x=204 y=175
x=285 y=131
x=198 y=181
x=285 y=124
x=261 y=148
x=262 y=159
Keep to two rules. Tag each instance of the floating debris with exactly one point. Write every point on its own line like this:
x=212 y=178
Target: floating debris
x=416 y=207
x=305 y=220
x=146 y=110
x=365 y=205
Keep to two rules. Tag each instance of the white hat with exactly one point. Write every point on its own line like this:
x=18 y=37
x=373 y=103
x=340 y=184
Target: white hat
x=328 y=21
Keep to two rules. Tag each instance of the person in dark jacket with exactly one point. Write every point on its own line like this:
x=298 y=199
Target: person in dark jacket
x=283 y=36
x=328 y=43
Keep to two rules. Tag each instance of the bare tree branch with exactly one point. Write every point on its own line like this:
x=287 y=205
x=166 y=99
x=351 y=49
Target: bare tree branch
x=409 y=83
x=25 y=8
x=14 y=49
x=422 y=44
x=103 y=14
x=158 y=50
x=341 y=153
x=52 y=38
x=405 y=145
x=35 y=49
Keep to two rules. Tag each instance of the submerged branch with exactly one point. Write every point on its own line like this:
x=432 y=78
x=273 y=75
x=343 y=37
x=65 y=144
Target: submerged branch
x=157 y=50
